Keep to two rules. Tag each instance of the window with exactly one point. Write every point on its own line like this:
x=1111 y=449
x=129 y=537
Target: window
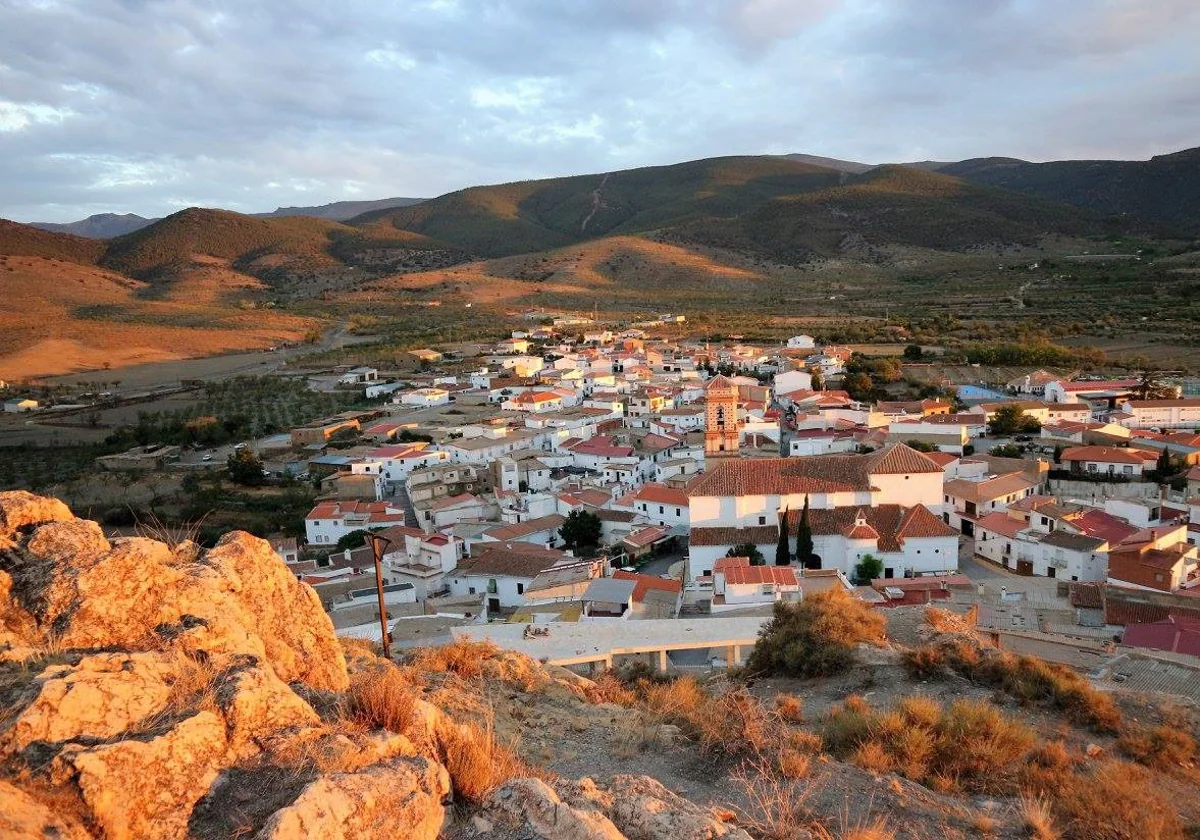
x=491 y=586
x=520 y=589
x=660 y=508
x=762 y=520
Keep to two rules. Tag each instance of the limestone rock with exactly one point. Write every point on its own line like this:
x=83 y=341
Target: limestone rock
x=24 y=818
x=235 y=600
x=645 y=810
x=533 y=802
x=256 y=704
x=297 y=632
x=138 y=787
x=402 y=798
x=19 y=509
x=102 y=696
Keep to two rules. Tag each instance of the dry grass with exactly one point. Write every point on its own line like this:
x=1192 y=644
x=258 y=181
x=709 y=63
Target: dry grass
x=969 y=745
x=793 y=764
x=789 y=708
x=1116 y=801
x=462 y=657
x=1037 y=818
x=191 y=684
x=776 y=808
x=876 y=830
x=1026 y=678
x=477 y=762
x=815 y=637
x=381 y=699
x=1160 y=747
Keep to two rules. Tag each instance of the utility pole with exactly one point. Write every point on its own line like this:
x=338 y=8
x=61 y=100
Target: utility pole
x=378 y=543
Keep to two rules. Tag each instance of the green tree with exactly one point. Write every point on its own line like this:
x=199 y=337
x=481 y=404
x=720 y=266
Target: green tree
x=1058 y=451
x=920 y=446
x=859 y=386
x=1009 y=450
x=581 y=531
x=867 y=570
x=355 y=539
x=818 y=381
x=1165 y=466
x=747 y=550
x=783 y=552
x=804 y=539
x=1012 y=420
x=1150 y=387
x=913 y=352
x=244 y=468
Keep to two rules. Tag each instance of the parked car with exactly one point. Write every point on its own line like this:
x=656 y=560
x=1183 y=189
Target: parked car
x=207 y=456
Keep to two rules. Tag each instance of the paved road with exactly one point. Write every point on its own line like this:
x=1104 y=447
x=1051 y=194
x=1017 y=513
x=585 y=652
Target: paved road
x=994 y=577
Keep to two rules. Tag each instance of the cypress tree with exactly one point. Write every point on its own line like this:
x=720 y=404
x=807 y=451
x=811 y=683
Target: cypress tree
x=783 y=553
x=804 y=540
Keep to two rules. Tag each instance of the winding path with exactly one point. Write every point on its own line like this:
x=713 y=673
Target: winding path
x=596 y=204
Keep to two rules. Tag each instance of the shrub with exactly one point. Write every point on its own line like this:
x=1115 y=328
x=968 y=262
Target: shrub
x=381 y=699
x=1117 y=801
x=970 y=745
x=463 y=657
x=1036 y=816
x=477 y=762
x=1031 y=680
x=1160 y=747
x=790 y=708
x=815 y=637
x=925 y=663
x=793 y=764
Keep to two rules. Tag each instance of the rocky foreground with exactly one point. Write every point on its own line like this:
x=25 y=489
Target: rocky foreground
x=150 y=690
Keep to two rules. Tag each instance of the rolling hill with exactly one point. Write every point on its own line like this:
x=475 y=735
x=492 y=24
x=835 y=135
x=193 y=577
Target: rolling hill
x=1163 y=191
x=340 y=211
x=538 y=215
x=775 y=206
x=99 y=226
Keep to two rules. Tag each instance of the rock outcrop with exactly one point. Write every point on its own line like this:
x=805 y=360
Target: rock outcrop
x=161 y=690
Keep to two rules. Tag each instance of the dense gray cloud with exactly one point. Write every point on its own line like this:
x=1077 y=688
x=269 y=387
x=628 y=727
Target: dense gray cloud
x=149 y=106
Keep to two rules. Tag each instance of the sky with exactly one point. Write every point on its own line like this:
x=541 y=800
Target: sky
x=150 y=106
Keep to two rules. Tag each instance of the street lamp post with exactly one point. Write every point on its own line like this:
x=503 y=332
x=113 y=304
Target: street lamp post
x=378 y=544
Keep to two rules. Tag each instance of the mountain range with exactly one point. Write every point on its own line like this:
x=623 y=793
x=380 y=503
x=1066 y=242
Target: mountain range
x=111 y=225
x=634 y=236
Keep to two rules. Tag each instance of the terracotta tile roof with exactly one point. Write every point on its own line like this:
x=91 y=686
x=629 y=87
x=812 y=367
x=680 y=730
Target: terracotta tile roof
x=1105 y=454
x=529 y=526
x=646 y=536
x=1001 y=523
x=645 y=583
x=1105 y=385
x=992 y=488
x=515 y=559
x=661 y=494
x=1086 y=596
x=817 y=474
x=759 y=535
x=1105 y=526
x=779 y=575
x=1185 y=403
x=729 y=562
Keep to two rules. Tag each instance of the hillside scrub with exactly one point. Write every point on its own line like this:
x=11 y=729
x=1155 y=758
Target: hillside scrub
x=815 y=637
x=969 y=745
x=1026 y=678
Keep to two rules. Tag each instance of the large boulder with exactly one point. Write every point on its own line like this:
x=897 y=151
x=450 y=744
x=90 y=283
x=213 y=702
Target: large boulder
x=147 y=785
x=235 y=600
x=101 y=696
x=24 y=818
x=402 y=798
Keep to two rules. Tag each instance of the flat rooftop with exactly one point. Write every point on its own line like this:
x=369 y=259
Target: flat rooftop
x=569 y=643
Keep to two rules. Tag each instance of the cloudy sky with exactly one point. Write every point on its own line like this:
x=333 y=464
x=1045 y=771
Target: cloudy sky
x=149 y=106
